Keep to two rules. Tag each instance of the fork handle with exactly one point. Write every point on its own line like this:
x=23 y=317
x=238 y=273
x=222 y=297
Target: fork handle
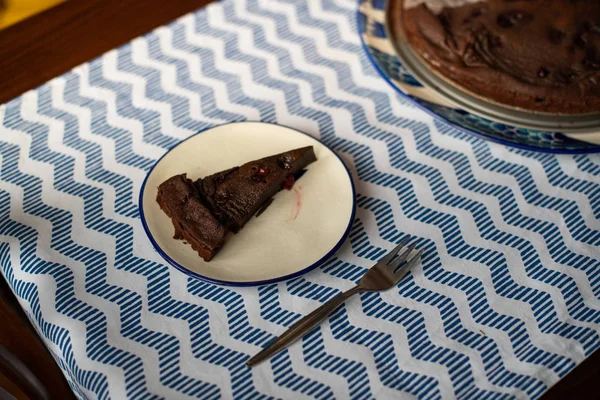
x=302 y=327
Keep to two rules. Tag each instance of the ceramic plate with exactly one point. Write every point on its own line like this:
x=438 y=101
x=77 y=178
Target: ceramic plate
x=296 y=233
x=399 y=66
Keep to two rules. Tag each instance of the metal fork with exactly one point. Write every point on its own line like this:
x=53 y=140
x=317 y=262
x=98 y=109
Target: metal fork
x=382 y=276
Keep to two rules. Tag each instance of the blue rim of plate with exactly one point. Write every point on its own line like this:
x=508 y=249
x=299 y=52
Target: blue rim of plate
x=559 y=143
x=294 y=275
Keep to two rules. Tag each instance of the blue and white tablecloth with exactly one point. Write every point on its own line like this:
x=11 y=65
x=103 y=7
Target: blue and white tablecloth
x=507 y=300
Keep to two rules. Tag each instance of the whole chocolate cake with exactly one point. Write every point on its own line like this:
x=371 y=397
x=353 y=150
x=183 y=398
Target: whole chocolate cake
x=537 y=55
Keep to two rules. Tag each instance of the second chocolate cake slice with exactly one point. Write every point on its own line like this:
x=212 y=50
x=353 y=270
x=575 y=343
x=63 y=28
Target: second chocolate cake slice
x=236 y=194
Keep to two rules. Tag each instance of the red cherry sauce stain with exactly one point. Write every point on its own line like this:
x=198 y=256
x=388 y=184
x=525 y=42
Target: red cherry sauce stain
x=297 y=202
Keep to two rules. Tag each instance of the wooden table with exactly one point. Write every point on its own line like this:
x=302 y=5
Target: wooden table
x=51 y=43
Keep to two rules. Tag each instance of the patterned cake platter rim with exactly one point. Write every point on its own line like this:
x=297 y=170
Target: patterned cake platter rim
x=245 y=283
x=372 y=23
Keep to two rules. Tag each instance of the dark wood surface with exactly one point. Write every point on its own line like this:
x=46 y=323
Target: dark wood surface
x=56 y=40
x=20 y=338
x=51 y=43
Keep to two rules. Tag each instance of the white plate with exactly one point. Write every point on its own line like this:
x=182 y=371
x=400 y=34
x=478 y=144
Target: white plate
x=296 y=233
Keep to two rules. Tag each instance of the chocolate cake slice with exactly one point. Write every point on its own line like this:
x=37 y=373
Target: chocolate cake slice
x=236 y=194
x=193 y=222
x=203 y=213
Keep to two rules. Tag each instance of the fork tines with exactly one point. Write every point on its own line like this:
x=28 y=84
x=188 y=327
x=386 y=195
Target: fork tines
x=395 y=263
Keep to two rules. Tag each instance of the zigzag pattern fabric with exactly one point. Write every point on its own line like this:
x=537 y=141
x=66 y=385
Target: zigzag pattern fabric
x=505 y=303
